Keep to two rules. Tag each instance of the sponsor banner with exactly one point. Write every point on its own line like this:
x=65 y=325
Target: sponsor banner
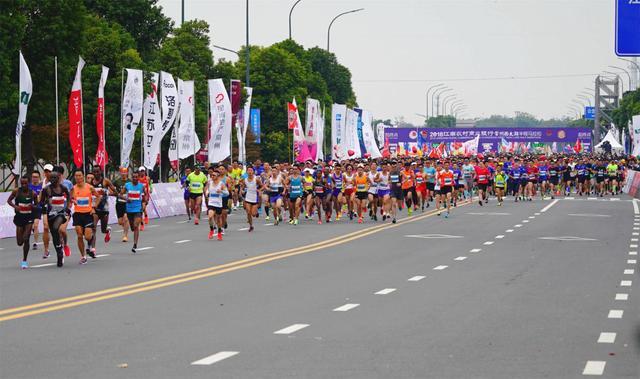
x=26 y=89
x=255 y=124
x=236 y=95
x=352 y=140
x=363 y=147
x=635 y=135
x=311 y=127
x=368 y=136
x=338 y=132
x=76 y=129
x=219 y=145
x=380 y=134
x=184 y=140
x=300 y=151
x=632 y=185
x=132 y=103
x=101 y=151
x=490 y=139
x=152 y=119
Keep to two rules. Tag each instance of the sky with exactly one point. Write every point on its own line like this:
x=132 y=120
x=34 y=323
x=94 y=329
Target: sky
x=497 y=56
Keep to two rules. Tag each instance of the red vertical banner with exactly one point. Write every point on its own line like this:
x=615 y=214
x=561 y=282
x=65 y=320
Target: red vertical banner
x=292 y=117
x=236 y=94
x=101 y=151
x=76 y=132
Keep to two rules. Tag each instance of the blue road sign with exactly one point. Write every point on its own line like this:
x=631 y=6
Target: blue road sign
x=628 y=28
x=589 y=113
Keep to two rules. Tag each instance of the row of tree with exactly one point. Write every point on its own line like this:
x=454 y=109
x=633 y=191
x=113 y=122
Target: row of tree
x=136 y=34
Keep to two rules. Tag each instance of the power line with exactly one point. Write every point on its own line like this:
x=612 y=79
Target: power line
x=478 y=79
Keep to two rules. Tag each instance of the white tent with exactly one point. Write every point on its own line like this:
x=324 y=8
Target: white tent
x=616 y=147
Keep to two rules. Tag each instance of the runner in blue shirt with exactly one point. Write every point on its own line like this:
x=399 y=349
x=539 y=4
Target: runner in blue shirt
x=134 y=193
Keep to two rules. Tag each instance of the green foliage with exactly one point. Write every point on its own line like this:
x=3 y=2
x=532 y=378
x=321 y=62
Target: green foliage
x=442 y=122
x=629 y=107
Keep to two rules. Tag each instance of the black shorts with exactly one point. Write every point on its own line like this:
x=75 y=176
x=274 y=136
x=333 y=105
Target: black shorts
x=21 y=220
x=599 y=179
x=217 y=210
x=582 y=179
x=84 y=220
x=482 y=187
x=132 y=216
x=225 y=203
x=459 y=186
x=396 y=192
x=553 y=180
x=445 y=190
x=408 y=190
x=121 y=209
x=362 y=195
x=101 y=213
x=431 y=186
x=194 y=196
x=37 y=212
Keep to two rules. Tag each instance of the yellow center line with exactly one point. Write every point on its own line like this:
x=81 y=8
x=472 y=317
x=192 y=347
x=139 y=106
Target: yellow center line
x=92 y=297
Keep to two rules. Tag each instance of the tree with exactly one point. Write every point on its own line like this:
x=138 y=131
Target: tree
x=337 y=76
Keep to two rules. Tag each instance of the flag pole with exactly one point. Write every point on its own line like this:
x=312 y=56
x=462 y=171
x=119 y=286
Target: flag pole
x=159 y=156
x=195 y=130
x=104 y=138
x=121 y=114
x=55 y=63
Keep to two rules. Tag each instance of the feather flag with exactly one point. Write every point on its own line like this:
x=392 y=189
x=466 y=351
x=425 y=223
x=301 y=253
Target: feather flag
x=26 y=90
x=101 y=151
x=577 y=148
x=76 y=129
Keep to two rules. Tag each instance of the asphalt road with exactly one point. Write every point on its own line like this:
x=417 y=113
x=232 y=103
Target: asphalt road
x=543 y=289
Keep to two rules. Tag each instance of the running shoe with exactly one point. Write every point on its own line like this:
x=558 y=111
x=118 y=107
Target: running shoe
x=480 y=202
x=393 y=221
x=360 y=220
x=60 y=259
x=291 y=222
x=251 y=229
x=221 y=231
x=196 y=222
x=142 y=225
x=319 y=222
x=92 y=253
x=409 y=211
x=146 y=219
x=219 y=236
x=295 y=222
x=45 y=255
x=446 y=215
x=83 y=261
x=107 y=237
x=211 y=234
x=227 y=225
x=338 y=217
x=267 y=218
x=67 y=250
x=133 y=249
x=125 y=239
x=24 y=265
x=35 y=246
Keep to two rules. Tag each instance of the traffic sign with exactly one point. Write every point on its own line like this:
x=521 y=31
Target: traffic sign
x=589 y=113
x=628 y=28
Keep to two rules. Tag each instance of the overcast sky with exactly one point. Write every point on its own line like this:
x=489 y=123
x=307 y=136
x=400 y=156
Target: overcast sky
x=395 y=49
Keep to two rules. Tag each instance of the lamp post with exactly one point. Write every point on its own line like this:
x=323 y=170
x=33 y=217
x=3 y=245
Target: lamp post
x=290 y=12
x=444 y=103
x=229 y=50
x=334 y=19
x=433 y=99
x=585 y=98
x=626 y=72
x=453 y=105
x=438 y=99
x=637 y=73
x=429 y=90
x=247 y=48
x=617 y=78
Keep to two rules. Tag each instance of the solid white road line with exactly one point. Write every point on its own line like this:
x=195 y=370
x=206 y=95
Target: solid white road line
x=633 y=253
x=346 y=307
x=144 y=248
x=488 y=243
x=537 y=214
x=631 y=261
x=569 y=198
x=518 y=225
x=475 y=250
x=500 y=236
x=626 y=283
x=217 y=357
x=549 y=206
x=269 y=224
x=385 y=291
x=291 y=329
x=102 y=255
x=592 y=198
x=607 y=337
x=509 y=230
x=532 y=217
x=182 y=222
x=594 y=368
x=629 y=271
x=460 y=258
x=43 y=265
x=615 y=313
x=440 y=268
x=622 y=296
x=636 y=209
x=182 y=241
x=151 y=226
x=416 y=278
x=243 y=229
x=587 y=215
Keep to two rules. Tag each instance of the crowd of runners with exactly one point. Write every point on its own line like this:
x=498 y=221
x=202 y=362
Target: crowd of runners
x=306 y=192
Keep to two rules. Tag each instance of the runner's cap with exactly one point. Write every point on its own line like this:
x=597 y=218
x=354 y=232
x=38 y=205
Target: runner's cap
x=48 y=167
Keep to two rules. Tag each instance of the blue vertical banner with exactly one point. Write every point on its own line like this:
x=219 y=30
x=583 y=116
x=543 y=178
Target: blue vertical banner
x=255 y=124
x=363 y=148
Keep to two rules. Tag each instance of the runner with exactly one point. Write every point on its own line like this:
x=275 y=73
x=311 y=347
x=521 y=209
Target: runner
x=23 y=201
x=146 y=181
x=36 y=187
x=374 y=178
x=197 y=181
x=134 y=193
x=55 y=200
x=48 y=169
x=408 y=186
x=295 y=195
x=103 y=187
x=481 y=176
x=384 y=191
x=396 y=190
x=215 y=191
x=501 y=183
x=447 y=183
x=349 y=189
x=275 y=189
x=337 y=197
x=250 y=186
x=307 y=186
x=83 y=214
x=121 y=204
x=430 y=173
x=319 y=194
x=421 y=186
x=184 y=183
x=612 y=173
x=362 y=186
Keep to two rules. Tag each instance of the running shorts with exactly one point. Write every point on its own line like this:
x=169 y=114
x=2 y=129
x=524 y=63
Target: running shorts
x=217 y=210
x=22 y=220
x=482 y=186
x=121 y=209
x=132 y=216
x=446 y=189
x=84 y=220
x=362 y=195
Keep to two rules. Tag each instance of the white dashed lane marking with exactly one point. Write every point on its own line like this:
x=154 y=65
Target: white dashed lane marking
x=475 y=250
x=182 y=241
x=385 y=291
x=626 y=283
x=217 y=357
x=500 y=236
x=144 y=248
x=594 y=368
x=460 y=258
x=416 y=278
x=615 y=313
x=532 y=217
x=291 y=329
x=607 y=337
x=631 y=261
x=439 y=268
x=488 y=243
x=629 y=271
x=43 y=265
x=346 y=307
x=518 y=225
x=622 y=296
x=633 y=253
x=509 y=230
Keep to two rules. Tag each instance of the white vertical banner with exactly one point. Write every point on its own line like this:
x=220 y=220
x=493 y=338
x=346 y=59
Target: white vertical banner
x=246 y=115
x=152 y=119
x=175 y=132
x=132 y=103
x=320 y=136
x=26 y=90
x=189 y=143
x=380 y=134
x=338 y=132
x=311 y=125
x=368 y=137
x=352 y=140
x=220 y=105
x=169 y=103
x=635 y=137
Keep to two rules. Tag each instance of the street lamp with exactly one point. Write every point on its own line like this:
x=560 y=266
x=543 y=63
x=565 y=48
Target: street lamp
x=334 y=19
x=637 y=74
x=437 y=99
x=453 y=105
x=617 y=78
x=290 y=12
x=444 y=103
x=626 y=72
x=229 y=50
x=585 y=98
x=247 y=57
x=429 y=90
